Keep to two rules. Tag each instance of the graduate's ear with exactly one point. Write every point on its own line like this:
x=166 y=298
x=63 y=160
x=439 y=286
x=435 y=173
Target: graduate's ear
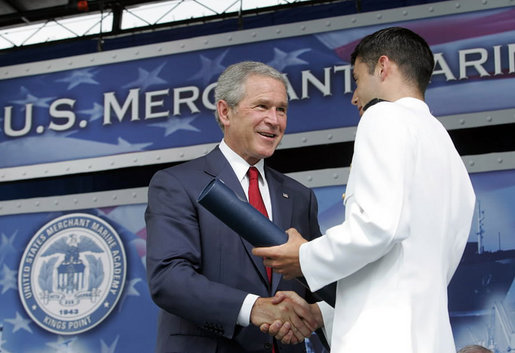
x=383 y=67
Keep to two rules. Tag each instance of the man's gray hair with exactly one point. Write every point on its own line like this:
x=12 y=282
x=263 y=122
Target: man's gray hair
x=231 y=83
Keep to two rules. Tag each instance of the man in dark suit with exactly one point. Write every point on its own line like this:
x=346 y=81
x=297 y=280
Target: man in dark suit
x=212 y=292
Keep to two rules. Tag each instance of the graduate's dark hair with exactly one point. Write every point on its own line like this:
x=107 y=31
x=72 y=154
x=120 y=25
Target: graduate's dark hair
x=402 y=46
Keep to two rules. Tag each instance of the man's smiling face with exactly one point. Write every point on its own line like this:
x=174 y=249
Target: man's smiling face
x=254 y=128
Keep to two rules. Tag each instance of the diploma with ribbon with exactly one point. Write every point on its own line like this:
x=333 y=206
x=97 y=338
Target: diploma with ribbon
x=250 y=224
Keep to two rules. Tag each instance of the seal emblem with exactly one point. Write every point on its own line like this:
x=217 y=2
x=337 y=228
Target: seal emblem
x=72 y=273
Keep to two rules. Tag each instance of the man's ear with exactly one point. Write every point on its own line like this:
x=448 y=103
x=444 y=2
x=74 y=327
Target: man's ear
x=383 y=66
x=223 y=111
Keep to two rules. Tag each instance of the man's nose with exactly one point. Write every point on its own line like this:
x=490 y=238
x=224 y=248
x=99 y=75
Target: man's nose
x=273 y=116
x=354 y=98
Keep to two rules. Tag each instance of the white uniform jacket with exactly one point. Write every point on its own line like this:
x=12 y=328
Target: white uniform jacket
x=409 y=205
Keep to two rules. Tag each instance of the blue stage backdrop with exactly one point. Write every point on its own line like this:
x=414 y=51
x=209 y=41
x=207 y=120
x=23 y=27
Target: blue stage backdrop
x=99 y=303
x=166 y=101
x=481 y=294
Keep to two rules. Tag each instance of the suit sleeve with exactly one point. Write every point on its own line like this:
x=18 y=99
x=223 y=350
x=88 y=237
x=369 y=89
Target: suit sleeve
x=174 y=260
x=375 y=200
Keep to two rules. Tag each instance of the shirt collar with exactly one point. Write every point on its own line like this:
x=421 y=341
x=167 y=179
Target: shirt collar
x=238 y=164
x=413 y=103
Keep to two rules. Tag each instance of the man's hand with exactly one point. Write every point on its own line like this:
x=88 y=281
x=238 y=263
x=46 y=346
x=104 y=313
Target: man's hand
x=309 y=313
x=284 y=259
x=288 y=316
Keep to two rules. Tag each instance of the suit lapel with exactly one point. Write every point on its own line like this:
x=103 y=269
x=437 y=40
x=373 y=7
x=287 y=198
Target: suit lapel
x=281 y=210
x=218 y=167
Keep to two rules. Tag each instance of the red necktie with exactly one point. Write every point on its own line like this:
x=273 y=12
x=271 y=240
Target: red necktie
x=256 y=200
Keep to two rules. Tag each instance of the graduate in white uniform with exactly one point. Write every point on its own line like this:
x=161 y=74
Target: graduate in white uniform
x=408 y=210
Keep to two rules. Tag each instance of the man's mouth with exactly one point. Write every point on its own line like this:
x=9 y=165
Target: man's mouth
x=266 y=134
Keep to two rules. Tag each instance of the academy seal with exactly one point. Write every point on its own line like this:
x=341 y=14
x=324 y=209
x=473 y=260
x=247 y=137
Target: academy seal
x=72 y=273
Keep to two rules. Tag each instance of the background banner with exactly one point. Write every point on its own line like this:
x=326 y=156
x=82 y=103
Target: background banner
x=131 y=324
x=167 y=101
x=481 y=294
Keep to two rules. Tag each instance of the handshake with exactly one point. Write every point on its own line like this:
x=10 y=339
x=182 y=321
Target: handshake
x=287 y=317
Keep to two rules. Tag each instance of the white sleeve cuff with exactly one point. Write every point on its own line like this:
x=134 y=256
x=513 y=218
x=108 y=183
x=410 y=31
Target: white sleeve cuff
x=304 y=267
x=328 y=316
x=246 y=309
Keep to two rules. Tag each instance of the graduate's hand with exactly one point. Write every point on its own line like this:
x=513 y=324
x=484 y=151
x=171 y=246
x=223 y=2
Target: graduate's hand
x=284 y=259
x=290 y=319
x=285 y=332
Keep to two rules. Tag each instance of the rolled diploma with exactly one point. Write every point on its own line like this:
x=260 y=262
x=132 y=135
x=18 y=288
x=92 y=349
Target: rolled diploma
x=250 y=224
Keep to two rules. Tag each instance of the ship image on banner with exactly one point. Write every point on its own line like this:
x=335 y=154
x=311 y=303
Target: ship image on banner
x=72 y=273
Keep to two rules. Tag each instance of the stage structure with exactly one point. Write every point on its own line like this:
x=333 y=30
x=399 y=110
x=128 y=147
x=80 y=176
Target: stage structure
x=72 y=264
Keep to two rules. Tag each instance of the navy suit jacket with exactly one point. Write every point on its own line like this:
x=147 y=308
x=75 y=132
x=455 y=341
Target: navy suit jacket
x=199 y=271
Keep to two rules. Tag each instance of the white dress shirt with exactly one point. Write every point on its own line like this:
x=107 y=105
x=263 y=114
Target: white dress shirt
x=240 y=167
